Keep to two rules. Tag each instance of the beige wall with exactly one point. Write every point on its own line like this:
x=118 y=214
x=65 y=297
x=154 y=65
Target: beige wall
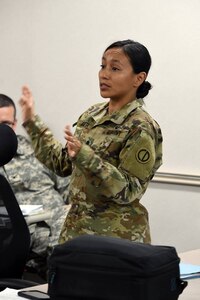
x=174 y=212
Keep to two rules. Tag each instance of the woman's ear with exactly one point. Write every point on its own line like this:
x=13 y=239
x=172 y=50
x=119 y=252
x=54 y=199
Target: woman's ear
x=139 y=79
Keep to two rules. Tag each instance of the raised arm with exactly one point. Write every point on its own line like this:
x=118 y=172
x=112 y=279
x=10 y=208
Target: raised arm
x=47 y=149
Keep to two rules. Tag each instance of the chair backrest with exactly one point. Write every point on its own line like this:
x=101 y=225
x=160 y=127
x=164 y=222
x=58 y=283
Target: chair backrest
x=14 y=234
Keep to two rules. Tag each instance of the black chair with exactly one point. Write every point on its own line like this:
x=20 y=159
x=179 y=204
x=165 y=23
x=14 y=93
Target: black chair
x=14 y=240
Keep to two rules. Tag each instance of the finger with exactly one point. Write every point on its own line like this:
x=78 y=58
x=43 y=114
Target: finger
x=68 y=129
x=26 y=91
x=69 y=138
x=22 y=101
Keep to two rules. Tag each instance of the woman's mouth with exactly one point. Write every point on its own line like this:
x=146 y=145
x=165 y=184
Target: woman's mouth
x=104 y=86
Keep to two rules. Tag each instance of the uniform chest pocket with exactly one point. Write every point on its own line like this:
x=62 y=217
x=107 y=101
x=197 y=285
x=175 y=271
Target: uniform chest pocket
x=107 y=142
x=109 y=149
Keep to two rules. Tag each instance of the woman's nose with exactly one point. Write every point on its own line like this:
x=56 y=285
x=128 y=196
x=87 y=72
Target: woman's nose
x=104 y=73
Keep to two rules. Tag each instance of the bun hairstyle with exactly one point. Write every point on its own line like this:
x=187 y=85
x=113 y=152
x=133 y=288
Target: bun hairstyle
x=140 y=60
x=143 y=89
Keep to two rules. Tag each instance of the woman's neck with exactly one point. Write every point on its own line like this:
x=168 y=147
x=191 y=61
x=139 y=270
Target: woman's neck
x=117 y=105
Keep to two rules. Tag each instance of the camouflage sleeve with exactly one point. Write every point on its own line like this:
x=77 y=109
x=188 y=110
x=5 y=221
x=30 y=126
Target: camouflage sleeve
x=48 y=150
x=62 y=185
x=126 y=182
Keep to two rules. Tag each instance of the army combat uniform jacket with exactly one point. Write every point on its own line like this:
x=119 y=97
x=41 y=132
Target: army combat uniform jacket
x=120 y=154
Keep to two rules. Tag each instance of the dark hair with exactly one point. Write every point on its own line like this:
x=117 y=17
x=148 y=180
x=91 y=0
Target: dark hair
x=140 y=60
x=5 y=101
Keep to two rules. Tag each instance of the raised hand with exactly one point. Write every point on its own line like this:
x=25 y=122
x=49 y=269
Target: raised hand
x=27 y=104
x=73 y=144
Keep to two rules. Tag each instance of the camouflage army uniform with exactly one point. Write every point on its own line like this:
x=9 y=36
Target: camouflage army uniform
x=33 y=183
x=120 y=154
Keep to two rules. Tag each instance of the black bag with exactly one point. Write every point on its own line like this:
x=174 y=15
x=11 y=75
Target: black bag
x=106 y=268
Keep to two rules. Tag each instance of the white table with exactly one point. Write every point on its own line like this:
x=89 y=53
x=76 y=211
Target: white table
x=10 y=294
x=192 y=291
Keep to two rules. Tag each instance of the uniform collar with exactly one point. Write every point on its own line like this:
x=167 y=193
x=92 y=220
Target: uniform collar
x=100 y=115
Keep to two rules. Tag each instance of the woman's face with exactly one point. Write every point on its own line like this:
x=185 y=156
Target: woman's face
x=117 y=79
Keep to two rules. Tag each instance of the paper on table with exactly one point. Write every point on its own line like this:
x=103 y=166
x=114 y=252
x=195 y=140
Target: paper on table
x=188 y=271
x=28 y=210
x=8 y=294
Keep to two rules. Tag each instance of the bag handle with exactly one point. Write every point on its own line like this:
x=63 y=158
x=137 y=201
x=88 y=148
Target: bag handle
x=182 y=285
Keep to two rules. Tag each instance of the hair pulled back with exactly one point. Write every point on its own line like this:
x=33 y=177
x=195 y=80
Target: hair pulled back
x=140 y=60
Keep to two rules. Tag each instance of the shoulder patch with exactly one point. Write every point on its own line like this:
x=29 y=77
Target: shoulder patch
x=143 y=155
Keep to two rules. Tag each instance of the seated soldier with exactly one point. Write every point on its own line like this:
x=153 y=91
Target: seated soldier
x=33 y=183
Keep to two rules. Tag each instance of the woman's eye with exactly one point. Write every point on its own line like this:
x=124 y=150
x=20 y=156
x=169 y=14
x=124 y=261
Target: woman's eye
x=102 y=66
x=115 y=69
